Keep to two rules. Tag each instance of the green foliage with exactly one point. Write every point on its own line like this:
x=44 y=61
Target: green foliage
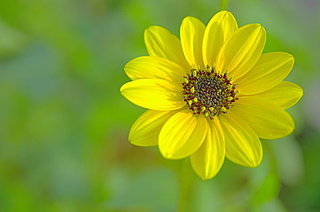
x=64 y=124
x=268 y=190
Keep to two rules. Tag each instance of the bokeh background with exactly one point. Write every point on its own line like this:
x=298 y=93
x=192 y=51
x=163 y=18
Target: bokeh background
x=64 y=124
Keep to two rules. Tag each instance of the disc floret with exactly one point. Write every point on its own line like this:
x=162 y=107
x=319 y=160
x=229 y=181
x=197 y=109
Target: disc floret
x=207 y=92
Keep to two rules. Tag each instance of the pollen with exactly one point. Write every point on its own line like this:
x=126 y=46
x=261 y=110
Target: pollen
x=209 y=93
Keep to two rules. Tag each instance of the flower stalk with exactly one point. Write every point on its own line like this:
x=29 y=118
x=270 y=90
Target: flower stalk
x=223 y=4
x=187 y=187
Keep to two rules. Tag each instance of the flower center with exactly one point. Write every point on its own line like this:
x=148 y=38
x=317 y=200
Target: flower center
x=207 y=92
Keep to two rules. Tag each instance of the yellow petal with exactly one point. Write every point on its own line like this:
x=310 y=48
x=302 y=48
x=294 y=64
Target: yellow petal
x=150 y=67
x=239 y=54
x=268 y=120
x=154 y=94
x=162 y=43
x=269 y=71
x=242 y=143
x=145 y=130
x=220 y=28
x=208 y=159
x=286 y=94
x=182 y=135
x=191 y=35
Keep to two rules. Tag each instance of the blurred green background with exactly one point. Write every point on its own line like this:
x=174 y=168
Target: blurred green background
x=64 y=124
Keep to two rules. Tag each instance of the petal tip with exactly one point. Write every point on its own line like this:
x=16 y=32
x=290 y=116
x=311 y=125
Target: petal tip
x=300 y=92
x=166 y=154
x=259 y=26
x=208 y=176
x=121 y=89
x=187 y=17
x=255 y=164
x=290 y=57
x=224 y=12
x=150 y=29
x=262 y=29
x=146 y=31
x=132 y=141
x=205 y=177
x=256 y=27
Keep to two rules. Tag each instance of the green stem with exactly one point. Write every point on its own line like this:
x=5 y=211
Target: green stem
x=186 y=193
x=223 y=4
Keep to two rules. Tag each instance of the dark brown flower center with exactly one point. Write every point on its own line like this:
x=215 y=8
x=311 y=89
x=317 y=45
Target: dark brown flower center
x=207 y=92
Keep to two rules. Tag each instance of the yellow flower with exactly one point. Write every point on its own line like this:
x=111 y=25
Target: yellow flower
x=212 y=94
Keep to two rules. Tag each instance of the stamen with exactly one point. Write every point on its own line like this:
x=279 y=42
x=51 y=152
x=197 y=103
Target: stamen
x=207 y=92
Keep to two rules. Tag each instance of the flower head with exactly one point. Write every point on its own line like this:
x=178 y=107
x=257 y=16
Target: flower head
x=212 y=94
